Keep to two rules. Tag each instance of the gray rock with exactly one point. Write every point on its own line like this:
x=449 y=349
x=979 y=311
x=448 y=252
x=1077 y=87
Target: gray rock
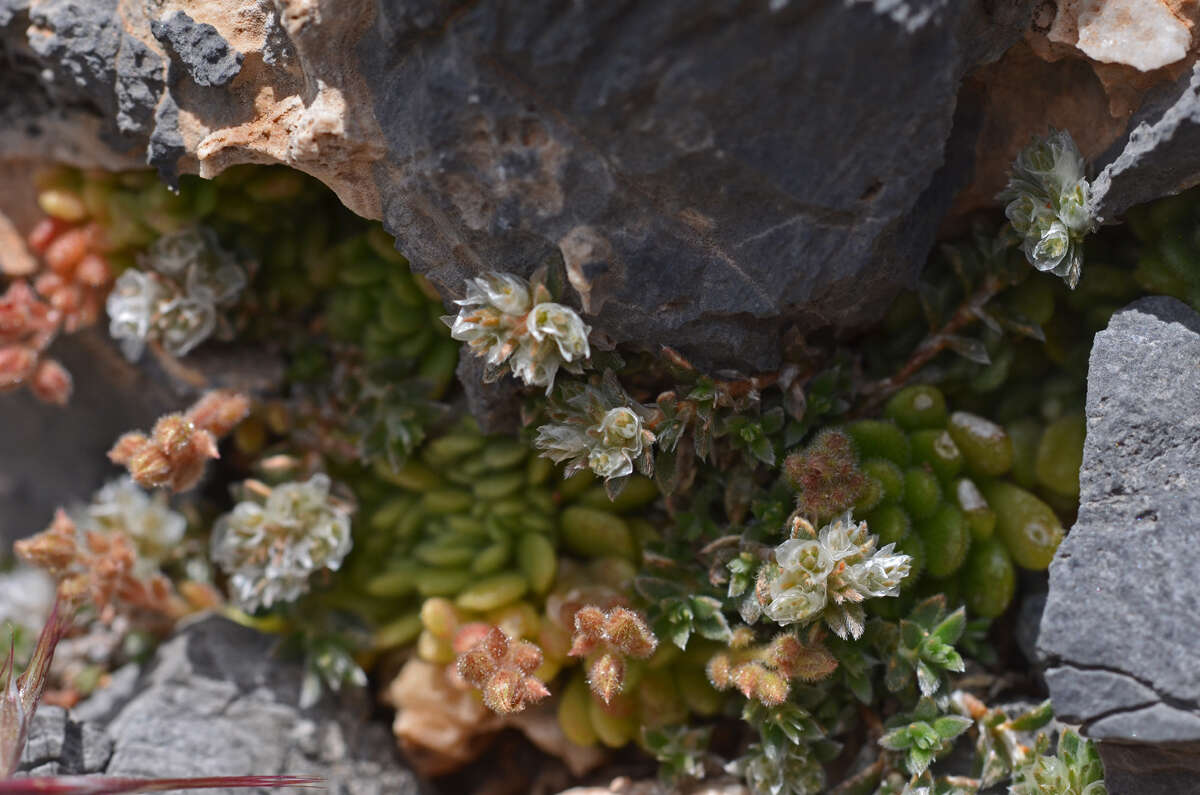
x=139 y=83
x=199 y=48
x=217 y=701
x=1160 y=156
x=703 y=171
x=78 y=40
x=1083 y=695
x=495 y=405
x=1119 y=622
x=60 y=745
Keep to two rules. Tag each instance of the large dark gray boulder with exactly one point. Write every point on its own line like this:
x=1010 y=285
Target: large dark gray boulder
x=704 y=170
x=216 y=700
x=1119 y=627
x=708 y=172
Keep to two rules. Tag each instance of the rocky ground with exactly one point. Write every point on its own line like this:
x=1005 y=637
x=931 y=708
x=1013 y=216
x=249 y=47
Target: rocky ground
x=680 y=189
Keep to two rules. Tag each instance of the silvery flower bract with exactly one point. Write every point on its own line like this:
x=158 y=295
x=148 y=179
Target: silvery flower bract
x=1047 y=197
x=510 y=324
x=122 y=506
x=271 y=549
x=175 y=298
x=600 y=428
x=828 y=577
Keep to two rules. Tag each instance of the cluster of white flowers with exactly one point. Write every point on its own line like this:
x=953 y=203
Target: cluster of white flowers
x=610 y=448
x=829 y=576
x=1047 y=197
x=177 y=296
x=122 y=506
x=506 y=322
x=270 y=549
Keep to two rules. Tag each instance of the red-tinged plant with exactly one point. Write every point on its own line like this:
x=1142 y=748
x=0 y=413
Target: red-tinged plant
x=607 y=638
x=503 y=670
x=176 y=451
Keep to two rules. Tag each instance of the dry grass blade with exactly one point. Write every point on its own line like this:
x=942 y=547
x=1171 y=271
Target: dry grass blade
x=19 y=696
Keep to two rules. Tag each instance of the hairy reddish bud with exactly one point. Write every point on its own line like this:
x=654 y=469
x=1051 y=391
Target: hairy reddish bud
x=476 y=666
x=720 y=671
x=503 y=691
x=825 y=475
x=627 y=632
x=51 y=383
x=589 y=630
x=179 y=446
x=525 y=656
x=746 y=677
x=219 y=411
x=796 y=660
x=606 y=676
x=772 y=689
x=501 y=669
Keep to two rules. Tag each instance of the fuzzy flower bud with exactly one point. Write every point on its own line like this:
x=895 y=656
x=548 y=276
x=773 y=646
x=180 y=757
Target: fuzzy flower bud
x=825 y=476
x=271 y=549
x=616 y=634
x=175 y=453
x=606 y=676
x=502 y=670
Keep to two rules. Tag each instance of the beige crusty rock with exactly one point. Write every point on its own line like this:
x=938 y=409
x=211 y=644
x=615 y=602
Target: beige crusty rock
x=1144 y=34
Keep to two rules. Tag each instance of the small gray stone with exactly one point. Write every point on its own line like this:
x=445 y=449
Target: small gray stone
x=495 y=405
x=47 y=735
x=199 y=48
x=1119 y=623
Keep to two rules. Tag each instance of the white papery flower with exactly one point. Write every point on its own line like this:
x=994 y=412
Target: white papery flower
x=610 y=463
x=176 y=295
x=1047 y=197
x=829 y=576
x=561 y=324
x=504 y=291
x=270 y=550
x=501 y=323
x=123 y=506
x=131 y=307
x=622 y=428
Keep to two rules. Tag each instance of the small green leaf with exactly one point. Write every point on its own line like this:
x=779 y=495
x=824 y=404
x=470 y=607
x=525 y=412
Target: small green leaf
x=950 y=726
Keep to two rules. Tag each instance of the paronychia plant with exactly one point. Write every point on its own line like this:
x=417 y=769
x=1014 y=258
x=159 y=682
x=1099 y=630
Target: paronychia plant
x=785 y=577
